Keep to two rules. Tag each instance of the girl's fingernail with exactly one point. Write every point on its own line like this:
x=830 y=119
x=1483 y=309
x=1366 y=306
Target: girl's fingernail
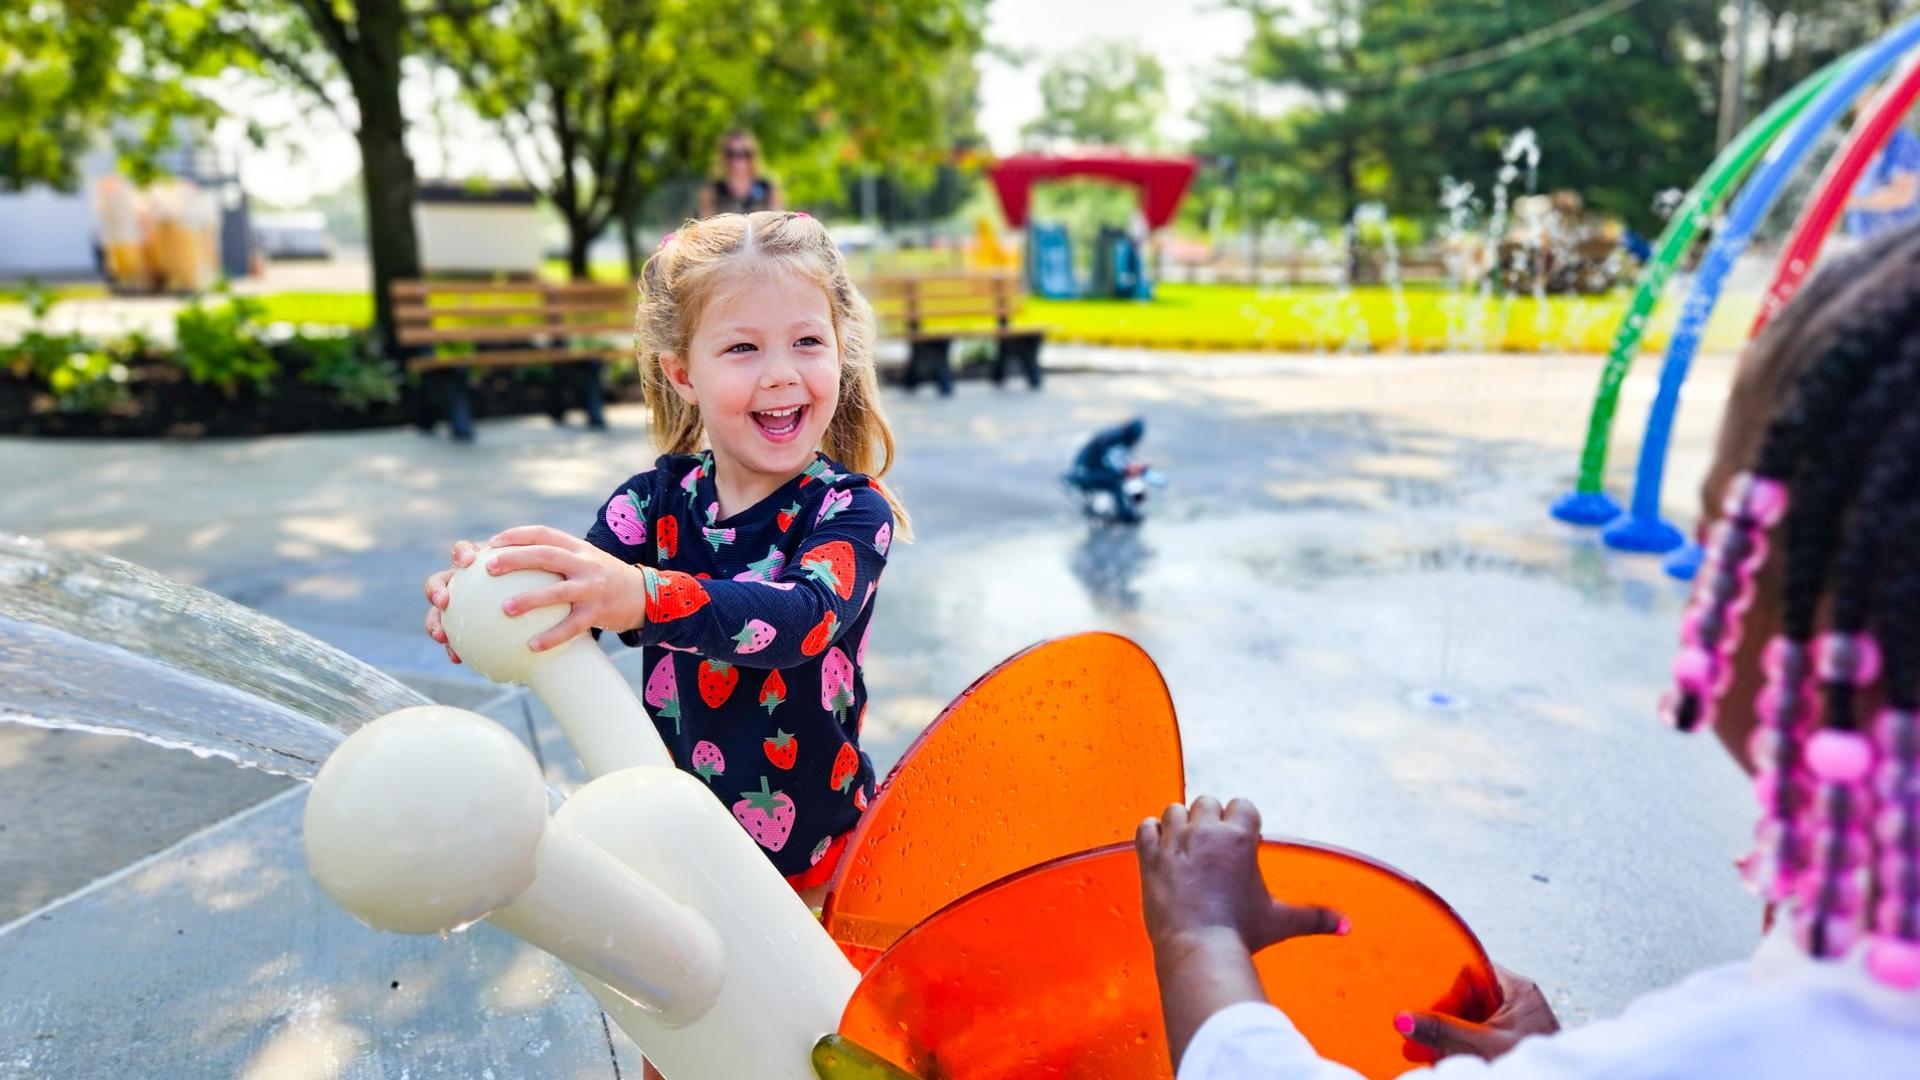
x=1403 y=1023
x=1346 y=924
x=507 y=607
x=493 y=566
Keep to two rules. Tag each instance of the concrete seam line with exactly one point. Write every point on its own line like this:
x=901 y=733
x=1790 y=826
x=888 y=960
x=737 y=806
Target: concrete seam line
x=146 y=860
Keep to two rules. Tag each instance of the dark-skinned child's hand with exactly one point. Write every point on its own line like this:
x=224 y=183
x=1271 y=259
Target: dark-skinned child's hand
x=1208 y=911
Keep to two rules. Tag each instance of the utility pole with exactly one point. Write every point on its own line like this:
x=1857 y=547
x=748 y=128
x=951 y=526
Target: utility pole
x=1733 y=76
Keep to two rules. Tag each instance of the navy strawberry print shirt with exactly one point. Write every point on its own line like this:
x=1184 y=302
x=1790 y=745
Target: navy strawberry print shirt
x=756 y=630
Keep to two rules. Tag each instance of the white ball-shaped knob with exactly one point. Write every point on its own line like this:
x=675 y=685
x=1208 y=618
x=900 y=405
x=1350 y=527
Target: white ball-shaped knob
x=489 y=640
x=426 y=820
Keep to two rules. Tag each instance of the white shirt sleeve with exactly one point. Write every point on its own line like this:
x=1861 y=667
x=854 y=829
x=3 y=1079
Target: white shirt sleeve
x=1721 y=1022
x=1255 y=1041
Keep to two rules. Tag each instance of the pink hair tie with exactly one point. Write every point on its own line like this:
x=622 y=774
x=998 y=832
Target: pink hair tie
x=801 y=213
x=665 y=240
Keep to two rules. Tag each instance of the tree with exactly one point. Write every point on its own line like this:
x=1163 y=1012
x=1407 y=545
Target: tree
x=1402 y=93
x=1798 y=37
x=313 y=44
x=71 y=77
x=1103 y=94
x=604 y=100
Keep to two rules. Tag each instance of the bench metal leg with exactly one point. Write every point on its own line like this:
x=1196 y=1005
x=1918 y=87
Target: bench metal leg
x=931 y=359
x=1022 y=351
x=443 y=393
x=459 y=406
x=593 y=394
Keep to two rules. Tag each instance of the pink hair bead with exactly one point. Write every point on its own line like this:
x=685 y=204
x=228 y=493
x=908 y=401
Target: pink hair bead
x=1891 y=915
x=1890 y=825
x=1894 y=962
x=665 y=240
x=1760 y=499
x=1768 y=877
x=1891 y=867
x=1847 y=658
x=1839 y=757
x=1841 y=934
x=1785 y=659
x=1693 y=669
x=1849 y=895
x=1896 y=781
x=1895 y=730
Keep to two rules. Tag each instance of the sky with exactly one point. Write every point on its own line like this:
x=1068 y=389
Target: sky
x=312 y=154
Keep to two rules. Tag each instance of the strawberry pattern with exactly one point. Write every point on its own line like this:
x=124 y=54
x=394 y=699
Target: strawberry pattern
x=756 y=639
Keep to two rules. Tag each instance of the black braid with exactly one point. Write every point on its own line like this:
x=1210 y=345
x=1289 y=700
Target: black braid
x=1896 y=614
x=1847 y=347
x=1834 y=434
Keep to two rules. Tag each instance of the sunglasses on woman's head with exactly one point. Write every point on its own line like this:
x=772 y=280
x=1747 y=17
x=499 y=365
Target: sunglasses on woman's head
x=741 y=152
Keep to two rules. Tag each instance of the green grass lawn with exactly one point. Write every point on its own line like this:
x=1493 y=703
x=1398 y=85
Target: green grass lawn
x=17 y=292
x=1235 y=317
x=1324 y=319
x=319 y=308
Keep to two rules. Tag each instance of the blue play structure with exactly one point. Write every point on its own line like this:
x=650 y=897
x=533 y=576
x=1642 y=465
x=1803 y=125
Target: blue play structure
x=1119 y=268
x=1050 y=262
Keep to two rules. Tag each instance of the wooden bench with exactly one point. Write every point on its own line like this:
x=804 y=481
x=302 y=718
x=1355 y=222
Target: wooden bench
x=931 y=310
x=449 y=326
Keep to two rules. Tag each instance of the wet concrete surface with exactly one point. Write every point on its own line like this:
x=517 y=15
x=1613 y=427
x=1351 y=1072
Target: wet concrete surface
x=1367 y=620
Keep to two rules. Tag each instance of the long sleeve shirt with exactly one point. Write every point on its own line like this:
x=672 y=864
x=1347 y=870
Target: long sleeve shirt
x=1779 y=1014
x=756 y=631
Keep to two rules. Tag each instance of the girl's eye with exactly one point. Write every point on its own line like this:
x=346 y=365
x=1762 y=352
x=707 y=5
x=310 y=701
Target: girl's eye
x=810 y=340
x=743 y=347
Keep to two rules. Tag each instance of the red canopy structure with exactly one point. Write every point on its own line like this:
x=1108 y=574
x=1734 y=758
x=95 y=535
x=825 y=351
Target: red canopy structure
x=1161 y=180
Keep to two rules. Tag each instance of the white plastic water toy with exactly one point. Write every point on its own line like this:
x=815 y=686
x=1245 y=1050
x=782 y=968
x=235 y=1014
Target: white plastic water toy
x=598 y=710
x=431 y=818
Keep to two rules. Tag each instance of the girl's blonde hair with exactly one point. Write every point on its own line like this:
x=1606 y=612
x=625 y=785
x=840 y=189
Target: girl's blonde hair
x=695 y=265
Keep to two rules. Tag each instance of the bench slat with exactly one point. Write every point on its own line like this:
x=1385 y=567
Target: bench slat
x=893 y=288
x=474 y=335
x=418 y=313
x=413 y=290
x=516 y=358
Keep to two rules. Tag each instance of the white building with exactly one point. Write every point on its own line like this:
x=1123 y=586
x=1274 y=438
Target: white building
x=50 y=234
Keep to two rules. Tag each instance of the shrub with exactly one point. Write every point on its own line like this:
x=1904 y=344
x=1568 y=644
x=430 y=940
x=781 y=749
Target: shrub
x=350 y=368
x=221 y=345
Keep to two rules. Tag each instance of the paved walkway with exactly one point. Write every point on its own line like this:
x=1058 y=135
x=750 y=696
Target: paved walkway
x=1367 y=620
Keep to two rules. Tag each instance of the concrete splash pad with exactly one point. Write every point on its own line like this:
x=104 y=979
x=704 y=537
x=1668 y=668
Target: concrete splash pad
x=1364 y=621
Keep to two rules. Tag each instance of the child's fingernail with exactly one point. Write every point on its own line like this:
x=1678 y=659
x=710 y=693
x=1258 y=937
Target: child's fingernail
x=1346 y=924
x=493 y=566
x=1403 y=1023
x=507 y=607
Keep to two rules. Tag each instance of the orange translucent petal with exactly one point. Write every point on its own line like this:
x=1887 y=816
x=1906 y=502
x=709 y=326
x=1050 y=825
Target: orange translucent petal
x=1049 y=973
x=1063 y=747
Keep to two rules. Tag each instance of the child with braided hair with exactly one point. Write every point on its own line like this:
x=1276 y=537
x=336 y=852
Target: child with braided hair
x=1801 y=651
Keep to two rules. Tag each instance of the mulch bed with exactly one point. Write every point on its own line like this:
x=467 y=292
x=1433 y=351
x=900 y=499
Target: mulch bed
x=163 y=404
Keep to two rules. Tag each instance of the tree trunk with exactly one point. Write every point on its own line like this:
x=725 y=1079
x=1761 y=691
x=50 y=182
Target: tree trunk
x=1350 y=203
x=630 y=237
x=372 y=65
x=578 y=241
x=387 y=175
